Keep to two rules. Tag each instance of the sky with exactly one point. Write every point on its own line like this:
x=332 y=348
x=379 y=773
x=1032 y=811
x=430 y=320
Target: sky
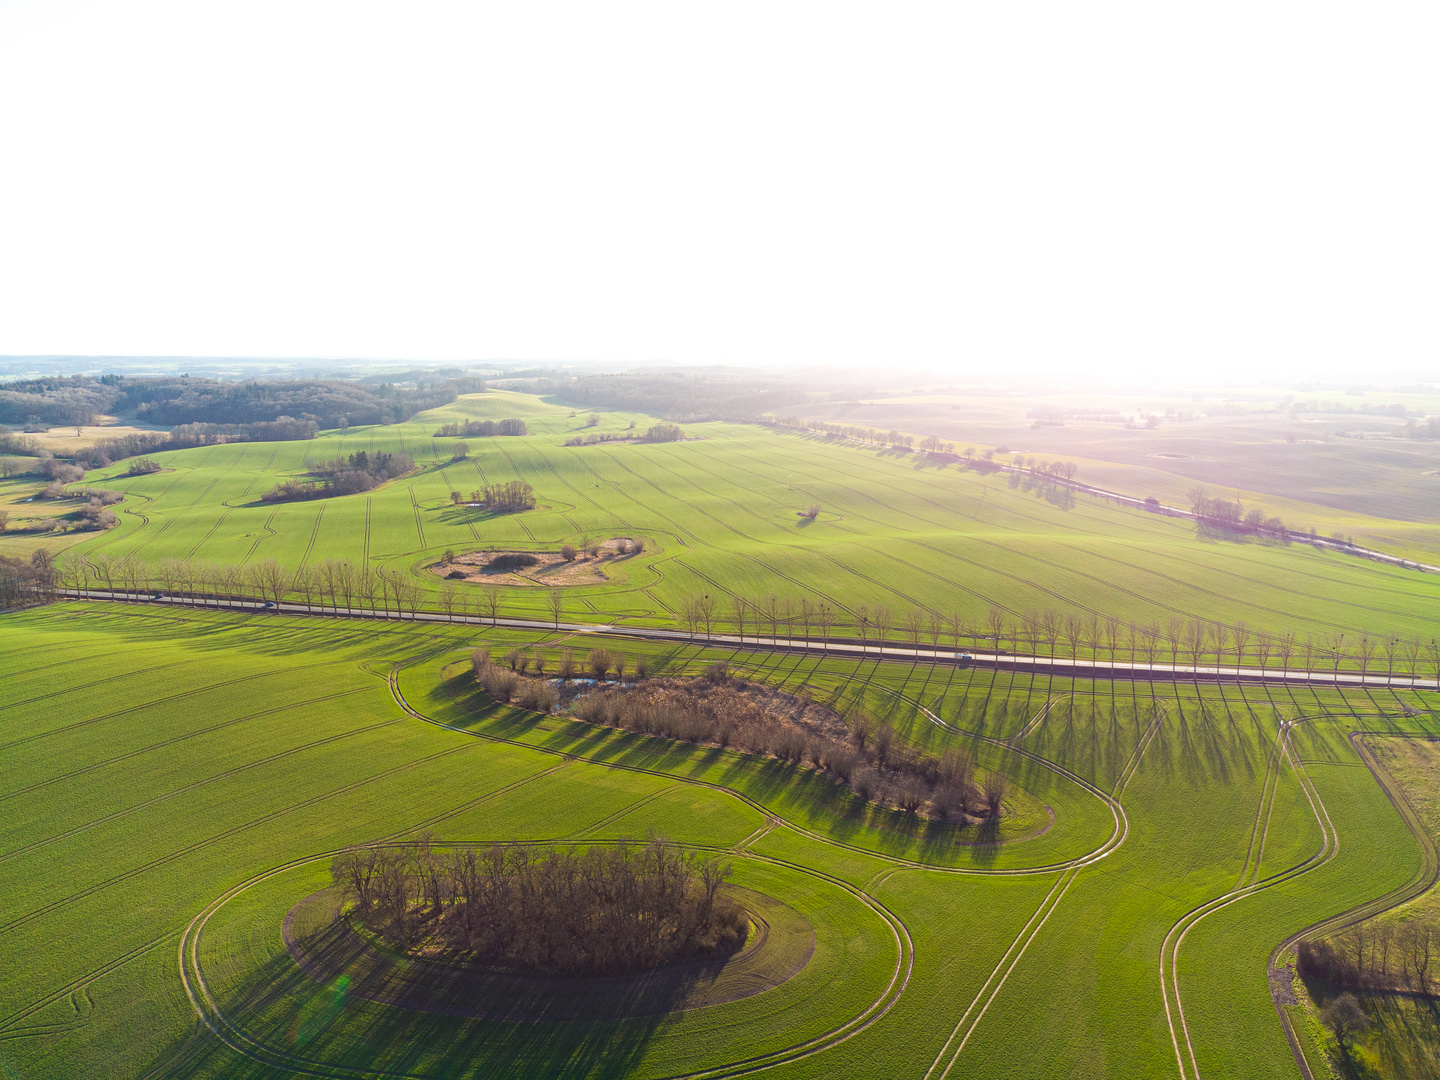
x=1120 y=190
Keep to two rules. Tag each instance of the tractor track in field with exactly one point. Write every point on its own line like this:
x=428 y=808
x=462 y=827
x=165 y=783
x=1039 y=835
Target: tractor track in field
x=471 y=804
x=187 y=788
x=629 y=808
x=219 y=521
x=314 y=534
x=72 y=689
x=189 y=849
x=581 y=495
x=365 y=559
x=194 y=733
x=250 y=554
x=454 y=491
x=79 y=983
x=525 y=527
x=415 y=507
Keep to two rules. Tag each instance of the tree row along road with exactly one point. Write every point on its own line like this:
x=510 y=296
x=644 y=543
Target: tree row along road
x=1006 y=661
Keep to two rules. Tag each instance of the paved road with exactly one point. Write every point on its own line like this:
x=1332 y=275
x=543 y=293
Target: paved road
x=1059 y=665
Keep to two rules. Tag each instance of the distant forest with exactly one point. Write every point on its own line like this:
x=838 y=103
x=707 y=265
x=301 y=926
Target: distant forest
x=172 y=400
x=692 y=398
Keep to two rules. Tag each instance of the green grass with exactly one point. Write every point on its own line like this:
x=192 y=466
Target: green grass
x=156 y=758
x=719 y=515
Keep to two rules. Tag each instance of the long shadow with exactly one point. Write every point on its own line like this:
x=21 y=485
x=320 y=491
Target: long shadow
x=299 y=1018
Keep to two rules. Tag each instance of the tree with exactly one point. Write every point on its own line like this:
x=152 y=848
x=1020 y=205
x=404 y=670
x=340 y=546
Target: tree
x=460 y=451
x=1345 y=1018
x=737 y=613
x=4 y=519
x=270 y=580
x=882 y=624
x=705 y=606
x=557 y=605
x=490 y=600
x=600 y=663
x=915 y=627
x=568 y=552
x=447 y=600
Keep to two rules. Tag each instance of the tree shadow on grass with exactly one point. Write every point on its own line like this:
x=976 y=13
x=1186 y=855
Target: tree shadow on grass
x=304 y=1022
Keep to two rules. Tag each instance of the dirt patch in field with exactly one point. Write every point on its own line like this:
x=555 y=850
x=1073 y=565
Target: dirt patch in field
x=549 y=569
x=327 y=947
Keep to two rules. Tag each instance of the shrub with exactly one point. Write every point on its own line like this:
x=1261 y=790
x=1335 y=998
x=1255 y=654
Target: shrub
x=142 y=466
x=512 y=560
x=568 y=552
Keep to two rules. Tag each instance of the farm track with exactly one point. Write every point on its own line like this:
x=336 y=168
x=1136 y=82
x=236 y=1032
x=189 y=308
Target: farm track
x=251 y=553
x=366 y=557
x=415 y=507
x=314 y=534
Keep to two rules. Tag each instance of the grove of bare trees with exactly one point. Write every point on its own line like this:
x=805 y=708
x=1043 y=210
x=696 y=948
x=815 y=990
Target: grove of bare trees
x=606 y=910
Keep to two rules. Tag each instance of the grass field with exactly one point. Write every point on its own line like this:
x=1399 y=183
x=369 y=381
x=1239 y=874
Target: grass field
x=719 y=514
x=174 y=780
x=1340 y=472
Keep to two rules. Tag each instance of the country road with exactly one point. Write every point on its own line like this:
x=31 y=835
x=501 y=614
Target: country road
x=1048 y=665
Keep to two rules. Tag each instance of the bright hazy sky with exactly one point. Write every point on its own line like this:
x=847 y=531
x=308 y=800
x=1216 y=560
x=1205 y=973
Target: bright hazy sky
x=1006 y=186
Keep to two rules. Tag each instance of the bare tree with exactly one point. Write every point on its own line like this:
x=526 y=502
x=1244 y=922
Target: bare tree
x=995 y=619
x=490 y=600
x=738 y=608
x=882 y=624
x=770 y=607
x=447 y=600
x=937 y=627
x=1365 y=652
x=270 y=580
x=862 y=616
x=557 y=605
x=914 y=621
x=705 y=606
x=1241 y=635
x=1338 y=650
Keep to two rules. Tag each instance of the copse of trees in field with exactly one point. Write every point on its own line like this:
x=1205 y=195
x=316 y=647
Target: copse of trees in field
x=362 y=471
x=28 y=581
x=482 y=429
x=654 y=433
x=1370 y=955
x=1226 y=516
x=607 y=910
x=680 y=397
x=715 y=709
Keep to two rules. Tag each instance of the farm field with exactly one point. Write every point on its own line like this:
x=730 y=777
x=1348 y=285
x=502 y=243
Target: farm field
x=1341 y=472
x=720 y=516
x=175 y=781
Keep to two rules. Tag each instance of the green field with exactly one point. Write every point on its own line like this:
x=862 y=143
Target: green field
x=719 y=513
x=173 y=781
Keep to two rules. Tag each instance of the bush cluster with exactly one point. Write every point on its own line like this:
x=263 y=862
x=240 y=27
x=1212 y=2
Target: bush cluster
x=512 y=560
x=360 y=472
x=609 y=910
x=712 y=709
x=506 y=685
